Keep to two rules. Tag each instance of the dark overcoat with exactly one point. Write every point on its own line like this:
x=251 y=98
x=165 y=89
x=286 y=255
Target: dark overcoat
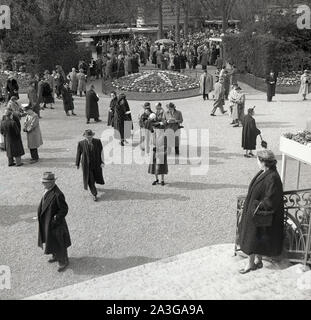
x=12 y=88
x=83 y=157
x=112 y=108
x=249 y=133
x=271 y=86
x=33 y=99
x=53 y=229
x=123 y=122
x=92 y=99
x=67 y=99
x=266 y=188
x=47 y=93
x=11 y=130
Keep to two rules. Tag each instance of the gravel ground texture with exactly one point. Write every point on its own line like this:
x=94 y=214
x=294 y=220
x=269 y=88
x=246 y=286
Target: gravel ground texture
x=134 y=223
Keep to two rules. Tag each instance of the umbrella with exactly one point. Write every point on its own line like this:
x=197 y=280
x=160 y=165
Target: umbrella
x=165 y=41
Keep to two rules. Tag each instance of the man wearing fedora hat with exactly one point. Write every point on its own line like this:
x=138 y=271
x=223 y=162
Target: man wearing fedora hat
x=53 y=229
x=90 y=154
x=173 y=120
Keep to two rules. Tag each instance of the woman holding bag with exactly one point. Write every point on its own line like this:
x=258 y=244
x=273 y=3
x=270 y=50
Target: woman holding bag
x=262 y=224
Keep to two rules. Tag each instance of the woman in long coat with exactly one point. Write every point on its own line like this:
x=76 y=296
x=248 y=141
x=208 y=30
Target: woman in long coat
x=10 y=128
x=82 y=79
x=47 y=94
x=121 y=68
x=68 y=100
x=12 y=87
x=250 y=133
x=113 y=105
x=74 y=81
x=265 y=195
x=305 y=84
x=34 y=136
x=158 y=165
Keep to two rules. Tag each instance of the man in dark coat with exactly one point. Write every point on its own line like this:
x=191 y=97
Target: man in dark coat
x=271 y=81
x=91 y=150
x=113 y=105
x=12 y=87
x=10 y=128
x=68 y=100
x=266 y=194
x=123 y=123
x=92 y=111
x=249 y=134
x=53 y=229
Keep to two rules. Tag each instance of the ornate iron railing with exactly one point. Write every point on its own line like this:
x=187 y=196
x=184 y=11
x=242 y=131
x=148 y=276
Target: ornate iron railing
x=297 y=242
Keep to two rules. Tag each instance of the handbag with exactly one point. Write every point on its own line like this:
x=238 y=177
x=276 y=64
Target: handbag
x=262 y=218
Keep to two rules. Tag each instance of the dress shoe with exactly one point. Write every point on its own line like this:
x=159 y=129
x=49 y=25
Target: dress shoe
x=95 y=198
x=87 y=122
x=162 y=183
x=63 y=267
x=155 y=183
x=98 y=120
x=52 y=260
x=12 y=164
x=73 y=114
x=32 y=161
x=19 y=165
x=213 y=115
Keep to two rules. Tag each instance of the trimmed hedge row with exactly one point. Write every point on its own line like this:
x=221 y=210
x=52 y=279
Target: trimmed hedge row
x=258 y=54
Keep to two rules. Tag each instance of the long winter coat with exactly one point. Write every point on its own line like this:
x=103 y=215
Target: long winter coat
x=271 y=86
x=11 y=130
x=12 y=88
x=249 y=133
x=53 y=229
x=67 y=99
x=206 y=84
x=266 y=188
x=32 y=127
x=81 y=82
x=47 y=93
x=123 y=123
x=111 y=112
x=84 y=158
x=92 y=99
x=74 y=81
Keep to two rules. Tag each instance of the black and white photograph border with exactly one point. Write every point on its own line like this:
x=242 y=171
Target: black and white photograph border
x=155 y=150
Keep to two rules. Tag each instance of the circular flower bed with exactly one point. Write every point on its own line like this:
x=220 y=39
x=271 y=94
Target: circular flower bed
x=156 y=82
x=289 y=79
x=302 y=137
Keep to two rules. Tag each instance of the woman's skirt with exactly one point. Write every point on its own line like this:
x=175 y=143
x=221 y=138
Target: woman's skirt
x=159 y=164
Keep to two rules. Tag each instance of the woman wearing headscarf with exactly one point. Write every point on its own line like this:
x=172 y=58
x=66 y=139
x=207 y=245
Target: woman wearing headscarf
x=262 y=225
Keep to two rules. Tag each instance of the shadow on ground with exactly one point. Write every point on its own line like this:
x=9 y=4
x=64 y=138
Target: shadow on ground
x=101 y=266
x=204 y=186
x=124 y=195
x=11 y=215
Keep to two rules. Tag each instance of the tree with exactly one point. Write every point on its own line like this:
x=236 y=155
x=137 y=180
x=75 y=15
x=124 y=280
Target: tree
x=219 y=7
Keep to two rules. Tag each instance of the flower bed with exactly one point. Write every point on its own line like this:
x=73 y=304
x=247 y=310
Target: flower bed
x=289 y=79
x=156 y=82
x=302 y=137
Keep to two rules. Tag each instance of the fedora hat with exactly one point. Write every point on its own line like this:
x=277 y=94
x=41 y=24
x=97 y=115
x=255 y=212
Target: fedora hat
x=48 y=177
x=89 y=133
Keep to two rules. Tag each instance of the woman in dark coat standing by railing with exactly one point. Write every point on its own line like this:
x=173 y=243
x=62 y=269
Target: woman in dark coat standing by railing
x=262 y=225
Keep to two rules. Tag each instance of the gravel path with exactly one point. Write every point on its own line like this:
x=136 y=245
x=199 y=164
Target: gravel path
x=134 y=223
